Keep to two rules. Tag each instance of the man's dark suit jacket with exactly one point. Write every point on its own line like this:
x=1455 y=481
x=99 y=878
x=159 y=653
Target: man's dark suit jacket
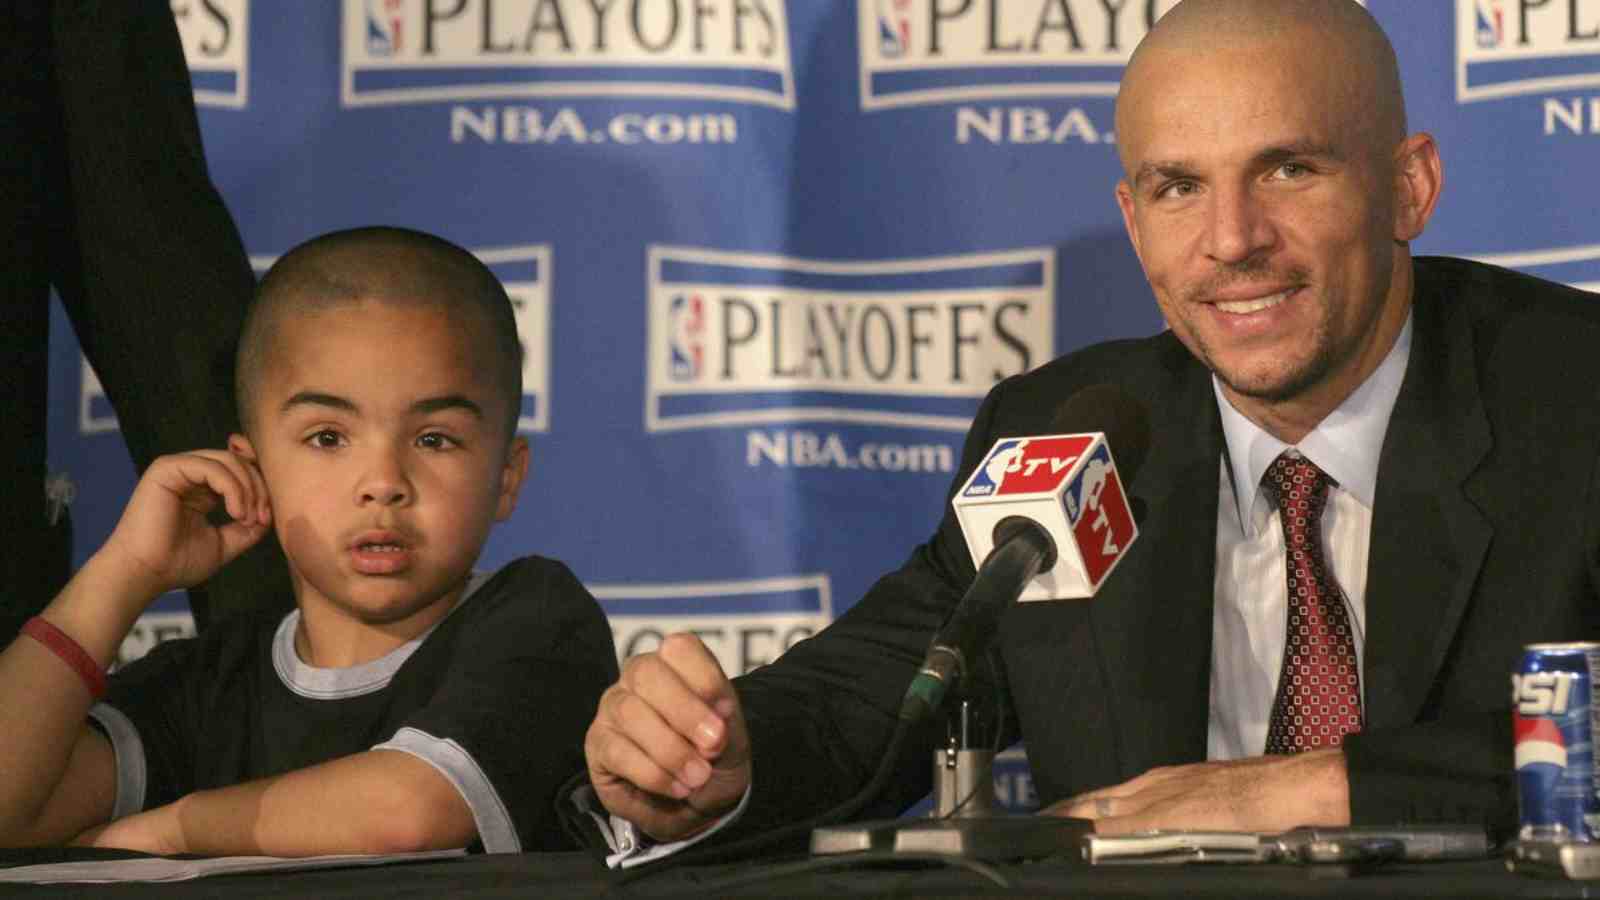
x=104 y=195
x=1485 y=537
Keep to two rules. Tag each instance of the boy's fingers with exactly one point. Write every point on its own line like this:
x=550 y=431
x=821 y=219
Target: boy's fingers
x=249 y=486
x=243 y=493
x=238 y=537
x=199 y=481
x=263 y=506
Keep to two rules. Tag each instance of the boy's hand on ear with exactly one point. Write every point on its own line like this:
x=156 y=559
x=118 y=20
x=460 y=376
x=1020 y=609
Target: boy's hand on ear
x=169 y=536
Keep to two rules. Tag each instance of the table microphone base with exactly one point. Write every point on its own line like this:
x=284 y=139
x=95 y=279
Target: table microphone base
x=989 y=838
x=966 y=821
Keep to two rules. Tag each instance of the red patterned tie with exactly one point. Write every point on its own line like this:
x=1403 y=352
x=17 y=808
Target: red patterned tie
x=1319 y=689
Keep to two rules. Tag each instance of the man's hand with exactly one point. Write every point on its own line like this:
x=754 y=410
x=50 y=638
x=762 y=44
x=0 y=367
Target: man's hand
x=668 y=749
x=1262 y=793
x=164 y=539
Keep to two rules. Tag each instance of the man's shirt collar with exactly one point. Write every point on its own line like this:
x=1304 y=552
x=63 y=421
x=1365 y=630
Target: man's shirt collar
x=1345 y=445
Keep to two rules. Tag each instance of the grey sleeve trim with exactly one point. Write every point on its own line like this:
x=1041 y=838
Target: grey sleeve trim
x=129 y=749
x=489 y=813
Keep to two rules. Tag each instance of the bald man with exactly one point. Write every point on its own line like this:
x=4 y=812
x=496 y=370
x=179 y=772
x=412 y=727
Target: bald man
x=1373 y=480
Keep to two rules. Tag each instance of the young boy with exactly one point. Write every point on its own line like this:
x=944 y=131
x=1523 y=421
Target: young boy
x=407 y=703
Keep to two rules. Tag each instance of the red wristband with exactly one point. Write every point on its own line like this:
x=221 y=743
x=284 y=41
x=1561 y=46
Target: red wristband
x=71 y=653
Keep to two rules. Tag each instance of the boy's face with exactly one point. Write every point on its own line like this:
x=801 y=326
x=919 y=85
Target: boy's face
x=381 y=437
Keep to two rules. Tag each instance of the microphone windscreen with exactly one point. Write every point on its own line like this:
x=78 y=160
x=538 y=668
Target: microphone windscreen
x=1118 y=414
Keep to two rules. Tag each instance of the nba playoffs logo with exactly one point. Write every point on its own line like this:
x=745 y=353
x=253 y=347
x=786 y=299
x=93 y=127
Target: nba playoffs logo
x=422 y=51
x=216 y=44
x=385 y=27
x=746 y=624
x=749 y=339
x=917 y=52
x=687 y=326
x=894 y=28
x=525 y=272
x=1490 y=21
x=1510 y=47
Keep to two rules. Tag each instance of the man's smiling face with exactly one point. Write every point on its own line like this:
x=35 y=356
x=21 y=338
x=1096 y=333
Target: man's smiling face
x=1261 y=199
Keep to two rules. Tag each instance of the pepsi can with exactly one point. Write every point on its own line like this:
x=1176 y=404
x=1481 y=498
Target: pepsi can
x=1552 y=716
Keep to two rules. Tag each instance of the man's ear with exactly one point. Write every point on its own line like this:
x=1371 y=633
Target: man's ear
x=1129 y=221
x=240 y=446
x=1418 y=179
x=511 y=475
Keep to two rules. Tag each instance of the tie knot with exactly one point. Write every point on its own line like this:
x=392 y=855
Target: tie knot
x=1296 y=483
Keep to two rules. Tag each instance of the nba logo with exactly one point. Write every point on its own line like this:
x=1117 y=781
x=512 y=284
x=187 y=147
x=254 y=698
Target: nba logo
x=894 y=28
x=384 y=34
x=1099 y=514
x=686 y=337
x=1491 y=23
x=1083 y=494
x=989 y=476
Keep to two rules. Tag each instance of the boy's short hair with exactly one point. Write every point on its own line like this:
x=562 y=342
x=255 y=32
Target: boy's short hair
x=388 y=265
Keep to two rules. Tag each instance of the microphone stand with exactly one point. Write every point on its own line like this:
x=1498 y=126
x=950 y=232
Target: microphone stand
x=963 y=770
x=965 y=820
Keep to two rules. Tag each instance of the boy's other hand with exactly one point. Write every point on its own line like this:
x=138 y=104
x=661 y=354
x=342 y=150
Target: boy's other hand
x=167 y=538
x=668 y=749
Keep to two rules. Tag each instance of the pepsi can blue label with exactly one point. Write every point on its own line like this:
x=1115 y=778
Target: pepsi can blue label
x=1552 y=716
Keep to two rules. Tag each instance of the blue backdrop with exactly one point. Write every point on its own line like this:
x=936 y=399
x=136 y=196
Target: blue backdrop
x=769 y=254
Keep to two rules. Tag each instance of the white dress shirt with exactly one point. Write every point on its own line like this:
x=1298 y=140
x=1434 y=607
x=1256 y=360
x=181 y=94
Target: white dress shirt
x=1250 y=615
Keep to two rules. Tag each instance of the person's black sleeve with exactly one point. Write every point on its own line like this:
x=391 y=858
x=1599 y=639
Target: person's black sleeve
x=1459 y=767
x=144 y=254
x=1455 y=770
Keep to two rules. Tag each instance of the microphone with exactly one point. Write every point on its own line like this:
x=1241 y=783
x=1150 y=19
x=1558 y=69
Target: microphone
x=1045 y=518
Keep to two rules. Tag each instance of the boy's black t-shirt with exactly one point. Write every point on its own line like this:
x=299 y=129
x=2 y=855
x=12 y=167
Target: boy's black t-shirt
x=497 y=696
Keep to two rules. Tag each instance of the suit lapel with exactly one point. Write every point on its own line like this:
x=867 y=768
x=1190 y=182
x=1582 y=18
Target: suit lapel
x=1153 y=631
x=1428 y=539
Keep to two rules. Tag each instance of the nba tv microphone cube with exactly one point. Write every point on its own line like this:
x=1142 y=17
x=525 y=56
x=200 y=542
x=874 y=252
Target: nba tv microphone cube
x=1068 y=484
